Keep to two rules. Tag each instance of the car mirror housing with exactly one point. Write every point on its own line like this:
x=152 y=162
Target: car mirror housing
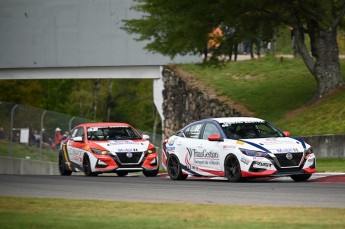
x=78 y=139
x=215 y=137
x=145 y=136
x=287 y=133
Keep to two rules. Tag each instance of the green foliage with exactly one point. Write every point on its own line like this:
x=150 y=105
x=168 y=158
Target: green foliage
x=21 y=91
x=182 y=27
x=128 y=100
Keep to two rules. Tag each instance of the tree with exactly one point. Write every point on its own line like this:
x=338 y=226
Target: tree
x=182 y=27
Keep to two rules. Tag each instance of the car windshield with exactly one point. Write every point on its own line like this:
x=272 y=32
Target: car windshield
x=246 y=130
x=112 y=133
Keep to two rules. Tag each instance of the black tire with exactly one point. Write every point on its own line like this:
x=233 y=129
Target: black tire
x=299 y=178
x=232 y=169
x=122 y=173
x=62 y=166
x=87 y=167
x=150 y=173
x=174 y=169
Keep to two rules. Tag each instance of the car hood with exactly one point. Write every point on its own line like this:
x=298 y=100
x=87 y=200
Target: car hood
x=124 y=145
x=276 y=145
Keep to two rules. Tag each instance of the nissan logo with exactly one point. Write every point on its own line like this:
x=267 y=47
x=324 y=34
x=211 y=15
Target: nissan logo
x=289 y=156
x=129 y=154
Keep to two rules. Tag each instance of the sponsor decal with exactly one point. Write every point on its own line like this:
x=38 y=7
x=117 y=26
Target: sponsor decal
x=170 y=148
x=288 y=150
x=229 y=147
x=203 y=157
x=171 y=141
x=240 y=143
x=259 y=158
x=274 y=141
x=202 y=154
x=78 y=159
x=245 y=160
x=225 y=124
x=127 y=150
x=259 y=164
x=124 y=143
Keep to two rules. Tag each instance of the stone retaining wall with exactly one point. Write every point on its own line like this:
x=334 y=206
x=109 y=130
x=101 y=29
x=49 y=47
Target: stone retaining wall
x=184 y=103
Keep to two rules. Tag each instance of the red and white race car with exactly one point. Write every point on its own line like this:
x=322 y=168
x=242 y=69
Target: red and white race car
x=96 y=148
x=237 y=148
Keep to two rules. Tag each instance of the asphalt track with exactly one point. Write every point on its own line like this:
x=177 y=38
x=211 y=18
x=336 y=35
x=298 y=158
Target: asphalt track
x=323 y=190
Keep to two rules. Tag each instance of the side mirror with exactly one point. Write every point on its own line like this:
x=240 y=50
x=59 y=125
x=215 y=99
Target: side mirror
x=287 y=133
x=215 y=138
x=78 y=139
x=146 y=137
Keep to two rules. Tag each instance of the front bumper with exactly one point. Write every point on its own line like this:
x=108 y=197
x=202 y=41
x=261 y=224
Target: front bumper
x=260 y=167
x=136 y=162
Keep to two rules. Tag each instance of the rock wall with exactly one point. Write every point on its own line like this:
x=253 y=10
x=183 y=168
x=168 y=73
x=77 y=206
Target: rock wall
x=185 y=100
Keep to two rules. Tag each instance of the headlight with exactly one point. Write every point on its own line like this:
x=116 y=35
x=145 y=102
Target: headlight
x=100 y=152
x=152 y=150
x=309 y=151
x=253 y=153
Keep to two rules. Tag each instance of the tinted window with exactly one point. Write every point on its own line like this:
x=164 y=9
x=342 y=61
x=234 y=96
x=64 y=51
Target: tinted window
x=251 y=130
x=193 y=131
x=112 y=133
x=80 y=132
x=210 y=128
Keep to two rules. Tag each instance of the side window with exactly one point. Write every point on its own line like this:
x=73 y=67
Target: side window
x=210 y=128
x=193 y=131
x=80 y=132
x=74 y=133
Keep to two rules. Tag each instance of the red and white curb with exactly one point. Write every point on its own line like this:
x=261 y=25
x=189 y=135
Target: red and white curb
x=316 y=177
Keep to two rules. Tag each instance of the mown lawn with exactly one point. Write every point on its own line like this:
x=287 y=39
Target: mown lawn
x=17 y=212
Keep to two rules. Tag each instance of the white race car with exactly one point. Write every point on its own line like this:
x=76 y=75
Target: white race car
x=237 y=148
x=96 y=148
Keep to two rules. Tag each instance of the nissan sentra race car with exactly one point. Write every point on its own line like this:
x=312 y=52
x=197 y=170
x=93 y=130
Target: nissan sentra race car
x=96 y=148
x=236 y=148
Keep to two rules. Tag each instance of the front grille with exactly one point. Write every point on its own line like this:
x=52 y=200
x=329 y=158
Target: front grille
x=284 y=162
x=129 y=157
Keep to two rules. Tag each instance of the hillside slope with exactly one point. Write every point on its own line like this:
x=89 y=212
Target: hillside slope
x=276 y=89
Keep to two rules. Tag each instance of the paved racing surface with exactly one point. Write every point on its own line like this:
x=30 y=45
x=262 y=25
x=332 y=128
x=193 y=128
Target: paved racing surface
x=323 y=190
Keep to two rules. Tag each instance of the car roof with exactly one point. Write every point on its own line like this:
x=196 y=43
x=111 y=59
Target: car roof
x=236 y=119
x=105 y=124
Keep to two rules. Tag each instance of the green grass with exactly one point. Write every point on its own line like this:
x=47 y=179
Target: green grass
x=272 y=88
x=330 y=164
x=16 y=212
x=22 y=151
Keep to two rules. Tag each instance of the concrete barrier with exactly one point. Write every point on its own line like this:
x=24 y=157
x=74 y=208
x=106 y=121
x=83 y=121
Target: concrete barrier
x=330 y=146
x=27 y=166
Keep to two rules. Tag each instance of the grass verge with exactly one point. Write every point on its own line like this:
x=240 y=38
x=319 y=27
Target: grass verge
x=272 y=88
x=330 y=164
x=17 y=150
x=18 y=212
